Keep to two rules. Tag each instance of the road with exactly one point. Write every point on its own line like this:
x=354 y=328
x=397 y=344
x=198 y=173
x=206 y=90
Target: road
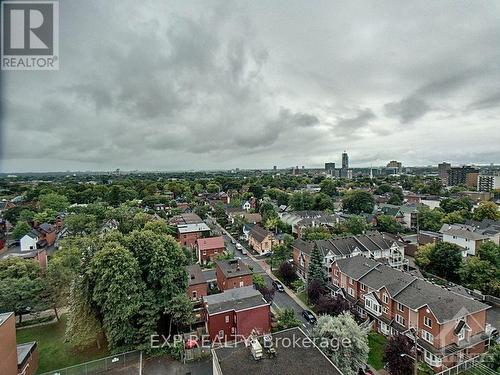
x=281 y=300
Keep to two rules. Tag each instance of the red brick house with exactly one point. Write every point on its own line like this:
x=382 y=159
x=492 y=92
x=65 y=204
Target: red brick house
x=46 y=233
x=236 y=313
x=15 y=359
x=197 y=285
x=188 y=234
x=208 y=249
x=232 y=274
x=450 y=326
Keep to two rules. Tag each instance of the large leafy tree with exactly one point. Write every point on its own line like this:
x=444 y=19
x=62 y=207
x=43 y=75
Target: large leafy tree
x=300 y=201
x=386 y=223
x=487 y=210
x=117 y=292
x=358 y=201
x=430 y=219
x=446 y=260
x=53 y=201
x=356 y=225
x=20 y=229
x=333 y=331
x=331 y=305
x=399 y=364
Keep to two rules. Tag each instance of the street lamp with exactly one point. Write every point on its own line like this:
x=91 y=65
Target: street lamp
x=415 y=367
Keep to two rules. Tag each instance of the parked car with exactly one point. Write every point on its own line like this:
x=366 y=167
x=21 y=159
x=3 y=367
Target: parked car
x=365 y=371
x=278 y=286
x=233 y=241
x=239 y=247
x=309 y=316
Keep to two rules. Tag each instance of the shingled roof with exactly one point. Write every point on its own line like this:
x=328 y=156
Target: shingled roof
x=234 y=299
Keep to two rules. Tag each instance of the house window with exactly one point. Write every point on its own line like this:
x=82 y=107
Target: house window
x=372 y=306
x=427 y=322
x=351 y=292
x=351 y=281
x=431 y=359
x=227 y=318
x=384 y=328
x=385 y=298
x=194 y=294
x=385 y=310
x=400 y=320
x=427 y=336
x=363 y=287
x=336 y=272
x=401 y=307
x=242 y=284
x=221 y=334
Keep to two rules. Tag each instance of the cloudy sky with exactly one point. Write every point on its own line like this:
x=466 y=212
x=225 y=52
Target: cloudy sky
x=171 y=85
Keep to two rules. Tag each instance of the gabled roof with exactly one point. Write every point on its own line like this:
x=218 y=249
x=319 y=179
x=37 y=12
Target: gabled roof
x=393 y=280
x=356 y=267
x=210 y=243
x=46 y=227
x=259 y=234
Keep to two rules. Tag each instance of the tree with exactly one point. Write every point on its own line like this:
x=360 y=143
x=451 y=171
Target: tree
x=450 y=205
x=316 y=270
x=455 y=217
x=331 y=333
x=423 y=254
x=489 y=251
x=286 y=319
x=53 y=201
x=267 y=292
x=180 y=311
x=331 y=305
x=81 y=224
x=477 y=273
x=300 y=201
x=117 y=292
x=430 y=219
x=386 y=223
x=398 y=364
x=258 y=281
x=446 y=260
x=201 y=211
x=316 y=233
x=314 y=291
x=83 y=329
x=358 y=201
x=328 y=187
x=356 y=225
x=492 y=358
x=486 y=210
x=323 y=202
x=20 y=230
x=288 y=272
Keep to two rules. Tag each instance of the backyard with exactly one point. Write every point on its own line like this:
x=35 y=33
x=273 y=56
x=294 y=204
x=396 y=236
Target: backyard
x=376 y=342
x=53 y=351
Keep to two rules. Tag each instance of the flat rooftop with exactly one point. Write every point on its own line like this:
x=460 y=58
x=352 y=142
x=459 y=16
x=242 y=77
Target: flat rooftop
x=299 y=359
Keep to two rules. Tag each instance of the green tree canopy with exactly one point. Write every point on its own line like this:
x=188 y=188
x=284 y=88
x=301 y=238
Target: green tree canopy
x=358 y=201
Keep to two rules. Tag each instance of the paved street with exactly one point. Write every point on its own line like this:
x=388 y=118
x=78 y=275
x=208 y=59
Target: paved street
x=281 y=300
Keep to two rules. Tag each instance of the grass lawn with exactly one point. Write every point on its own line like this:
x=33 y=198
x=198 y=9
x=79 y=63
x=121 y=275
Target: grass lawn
x=53 y=351
x=303 y=297
x=376 y=342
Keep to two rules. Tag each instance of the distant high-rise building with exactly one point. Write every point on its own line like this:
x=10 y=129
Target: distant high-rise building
x=459 y=176
x=394 y=164
x=443 y=169
x=488 y=182
x=275 y=168
x=345 y=160
x=329 y=168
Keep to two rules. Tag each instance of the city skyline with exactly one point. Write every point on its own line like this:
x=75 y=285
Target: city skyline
x=207 y=86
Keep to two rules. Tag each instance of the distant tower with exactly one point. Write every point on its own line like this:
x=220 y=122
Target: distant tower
x=345 y=160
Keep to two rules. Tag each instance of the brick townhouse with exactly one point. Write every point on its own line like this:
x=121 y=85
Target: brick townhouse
x=232 y=274
x=15 y=359
x=197 y=285
x=208 y=249
x=188 y=234
x=450 y=327
x=374 y=245
x=239 y=311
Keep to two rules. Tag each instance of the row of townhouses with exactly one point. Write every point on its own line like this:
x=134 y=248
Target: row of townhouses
x=373 y=245
x=449 y=327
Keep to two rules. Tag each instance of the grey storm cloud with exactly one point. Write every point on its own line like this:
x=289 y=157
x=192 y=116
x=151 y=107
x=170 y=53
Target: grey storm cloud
x=204 y=85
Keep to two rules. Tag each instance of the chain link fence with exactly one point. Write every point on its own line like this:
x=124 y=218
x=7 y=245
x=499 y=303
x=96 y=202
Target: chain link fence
x=128 y=363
